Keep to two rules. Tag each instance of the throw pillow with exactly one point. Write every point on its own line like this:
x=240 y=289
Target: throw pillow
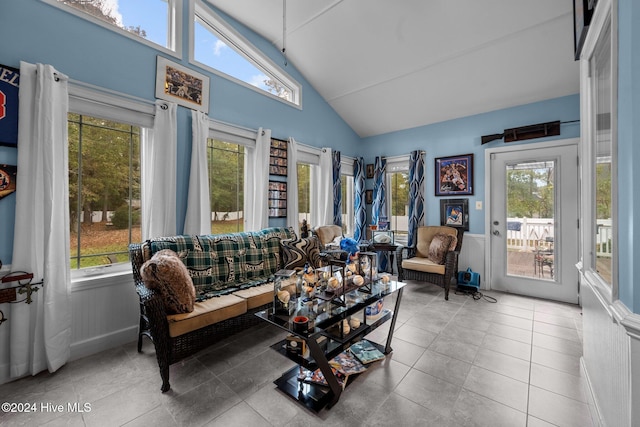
x=439 y=247
x=166 y=274
x=297 y=252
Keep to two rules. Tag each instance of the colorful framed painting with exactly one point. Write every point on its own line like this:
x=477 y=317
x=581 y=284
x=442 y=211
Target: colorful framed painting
x=181 y=85
x=455 y=213
x=454 y=175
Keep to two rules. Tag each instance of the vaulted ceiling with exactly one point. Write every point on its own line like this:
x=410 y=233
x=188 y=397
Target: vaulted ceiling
x=388 y=65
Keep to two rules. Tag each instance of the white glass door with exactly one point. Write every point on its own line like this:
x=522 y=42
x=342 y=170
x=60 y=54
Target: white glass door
x=534 y=222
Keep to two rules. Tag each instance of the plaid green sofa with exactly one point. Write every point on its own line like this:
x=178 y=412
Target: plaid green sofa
x=232 y=274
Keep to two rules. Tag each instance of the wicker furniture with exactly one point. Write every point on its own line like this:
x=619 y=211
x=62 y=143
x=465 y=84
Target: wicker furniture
x=231 y=273
x=412 y=261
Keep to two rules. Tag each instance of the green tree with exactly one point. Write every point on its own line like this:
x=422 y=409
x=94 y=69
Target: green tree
x=530 y=193
x=304 y=188
x=603 y=190
x=226 y=172
x=400 y=191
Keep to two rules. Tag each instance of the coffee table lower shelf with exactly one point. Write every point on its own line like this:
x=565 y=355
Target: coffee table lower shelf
x=313 y=396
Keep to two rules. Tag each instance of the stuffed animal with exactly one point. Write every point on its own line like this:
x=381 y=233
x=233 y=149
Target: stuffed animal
x=166 y=274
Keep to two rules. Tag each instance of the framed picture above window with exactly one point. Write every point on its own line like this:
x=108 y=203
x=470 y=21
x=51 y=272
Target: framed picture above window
x=454 y=175
x=455 y=213
x=181 y=85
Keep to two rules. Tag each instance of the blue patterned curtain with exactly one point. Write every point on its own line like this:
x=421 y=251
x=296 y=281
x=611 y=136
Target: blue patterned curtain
x=359 y=233
x=416 y=194
x=379 y=207
x=337 y=189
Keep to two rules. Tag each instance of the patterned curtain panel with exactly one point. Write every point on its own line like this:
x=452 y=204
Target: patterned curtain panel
x=416 y=194
x=359 y=232
x=379 y=207
x=337 y=190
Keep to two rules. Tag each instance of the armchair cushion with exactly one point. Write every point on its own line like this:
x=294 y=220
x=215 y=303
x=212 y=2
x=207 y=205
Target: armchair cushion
x=328 y=233
x=439 y=247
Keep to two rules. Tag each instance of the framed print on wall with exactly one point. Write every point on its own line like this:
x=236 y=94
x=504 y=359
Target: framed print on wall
x=455 y=213
x=181 y=85
x=454 y=175
x=9 y=86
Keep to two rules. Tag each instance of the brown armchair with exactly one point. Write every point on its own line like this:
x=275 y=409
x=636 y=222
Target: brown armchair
x=434 y=258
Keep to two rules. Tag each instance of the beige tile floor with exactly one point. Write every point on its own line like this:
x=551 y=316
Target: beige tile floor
x=461 y=362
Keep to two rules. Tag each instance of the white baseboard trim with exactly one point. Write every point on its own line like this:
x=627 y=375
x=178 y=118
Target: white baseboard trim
x=100 y=343
x=591 y=400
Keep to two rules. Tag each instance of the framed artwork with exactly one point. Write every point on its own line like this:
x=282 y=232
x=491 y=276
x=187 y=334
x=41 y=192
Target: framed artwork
x=370 y=171
x=455 y=213
x=368 y=197
x=454 y=175
x=278 y=157
x=9 y=83
x=7 y=180
x=181 y=85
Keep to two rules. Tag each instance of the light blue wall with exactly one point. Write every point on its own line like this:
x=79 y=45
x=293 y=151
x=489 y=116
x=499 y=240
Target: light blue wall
x=628 y=152
x=462 y=136
x=34 y=31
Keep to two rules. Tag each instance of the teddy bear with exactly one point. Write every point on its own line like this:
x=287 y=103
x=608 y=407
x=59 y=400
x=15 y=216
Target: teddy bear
x=166 y=274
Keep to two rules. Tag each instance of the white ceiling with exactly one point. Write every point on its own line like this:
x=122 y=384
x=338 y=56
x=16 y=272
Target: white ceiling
x=387 y=65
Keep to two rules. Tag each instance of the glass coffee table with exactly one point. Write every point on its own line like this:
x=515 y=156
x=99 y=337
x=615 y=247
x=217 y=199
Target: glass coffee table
x=324 y=335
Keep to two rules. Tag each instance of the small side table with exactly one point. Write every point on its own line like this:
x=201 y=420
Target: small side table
x=386 y=247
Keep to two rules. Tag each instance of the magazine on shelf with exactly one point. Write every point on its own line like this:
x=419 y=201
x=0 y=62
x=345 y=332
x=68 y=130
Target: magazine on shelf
x=366 y=352
x=317 y=377
x=347 y=364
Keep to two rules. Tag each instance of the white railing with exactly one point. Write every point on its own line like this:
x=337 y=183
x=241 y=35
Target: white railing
x=524 y=233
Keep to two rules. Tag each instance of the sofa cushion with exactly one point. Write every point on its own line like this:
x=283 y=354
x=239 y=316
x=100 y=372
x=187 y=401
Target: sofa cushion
x=422 y=264
x=206 y=313
x=167 y=274
x=439 y=247
x=425 y=235
x=297 y=252
x=257 y=295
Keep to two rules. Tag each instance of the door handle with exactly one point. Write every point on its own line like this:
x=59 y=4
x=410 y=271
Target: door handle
x=496 y=233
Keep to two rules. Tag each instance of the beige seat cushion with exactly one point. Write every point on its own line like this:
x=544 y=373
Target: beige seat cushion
x=422 y=264
x=327 y=233
x=206 y=313
x=257 y=295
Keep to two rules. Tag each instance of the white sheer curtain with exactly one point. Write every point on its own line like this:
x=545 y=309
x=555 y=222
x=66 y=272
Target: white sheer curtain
x=322 y=193
x=40 y=332
x=198 y=219
x=256 y=184
x=292 y=186
x=159 y=151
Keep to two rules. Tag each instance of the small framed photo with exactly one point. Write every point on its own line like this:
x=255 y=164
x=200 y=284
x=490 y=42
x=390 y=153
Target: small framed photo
x=368 y=197
x=455 y=213
x=370 y=171
x=454 y=175
x=181 y=85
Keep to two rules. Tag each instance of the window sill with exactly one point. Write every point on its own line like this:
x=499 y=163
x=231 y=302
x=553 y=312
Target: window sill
x=101 y=276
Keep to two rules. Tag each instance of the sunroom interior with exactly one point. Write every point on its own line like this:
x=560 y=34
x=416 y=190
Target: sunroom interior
x=322 y=112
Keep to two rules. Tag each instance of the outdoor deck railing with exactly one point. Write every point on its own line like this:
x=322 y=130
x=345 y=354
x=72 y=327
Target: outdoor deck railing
x=524 y=233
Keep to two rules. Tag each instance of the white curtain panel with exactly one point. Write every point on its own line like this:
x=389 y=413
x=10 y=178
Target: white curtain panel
x=198 y=219
x=293 y=217
x=159 y=152
x=322 y=198
x=40 y=332
x=256 y=185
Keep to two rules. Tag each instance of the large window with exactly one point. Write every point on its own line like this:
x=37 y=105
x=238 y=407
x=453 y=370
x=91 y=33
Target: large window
x=304 y=194
x=348 y=216
x=600 y=65
x=220 y=48
x=104 y=190
x=153 y=22
x=226 y=186
x=398 y=200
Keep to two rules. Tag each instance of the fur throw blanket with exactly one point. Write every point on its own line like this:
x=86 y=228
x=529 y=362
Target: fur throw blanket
x=166 y=274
